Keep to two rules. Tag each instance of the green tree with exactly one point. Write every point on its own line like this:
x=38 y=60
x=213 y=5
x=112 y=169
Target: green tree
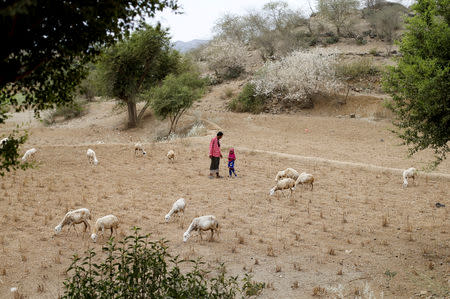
x=175 y=96
x=46 y=44
x=135 y=65
x=420 y=83
x=338 y=12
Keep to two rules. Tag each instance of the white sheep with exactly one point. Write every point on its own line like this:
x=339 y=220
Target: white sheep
x=139 y=149
x=305 y=178
x=75 y=217
x=171 y=155
x=287 y=173
x=177 y=207
x=3 y=141
x=92 y=158
x=29 y=154
x=409 y=173
x=200 y=224
x=283 y=184
x=106 y=222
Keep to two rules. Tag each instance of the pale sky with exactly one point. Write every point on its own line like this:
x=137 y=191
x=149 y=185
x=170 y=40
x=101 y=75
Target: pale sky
x=200 y=16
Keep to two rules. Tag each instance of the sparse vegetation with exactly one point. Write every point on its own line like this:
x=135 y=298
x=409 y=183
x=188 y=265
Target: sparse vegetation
x=72 y=110
x=139 y=267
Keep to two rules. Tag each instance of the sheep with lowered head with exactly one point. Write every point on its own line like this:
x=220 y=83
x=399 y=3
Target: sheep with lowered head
x=29 y=154
x=139 y=150
x=106 y=222
x=203 y=223
x=75 y=217
x=287 y=173
x=409 y=173
x=92 y=158
x=283 y=184
x=177 y=207
x=305 y=179
x=171 y=155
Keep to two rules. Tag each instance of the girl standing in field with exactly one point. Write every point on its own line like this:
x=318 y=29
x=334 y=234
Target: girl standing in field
x=231 y=159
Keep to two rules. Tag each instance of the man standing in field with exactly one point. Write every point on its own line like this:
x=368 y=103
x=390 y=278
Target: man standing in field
x=215 y=155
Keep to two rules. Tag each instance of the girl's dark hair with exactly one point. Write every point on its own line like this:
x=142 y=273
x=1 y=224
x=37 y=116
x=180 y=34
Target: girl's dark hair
x=219 y=134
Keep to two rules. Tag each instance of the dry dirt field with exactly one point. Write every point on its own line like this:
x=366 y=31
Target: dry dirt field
x=357 y=224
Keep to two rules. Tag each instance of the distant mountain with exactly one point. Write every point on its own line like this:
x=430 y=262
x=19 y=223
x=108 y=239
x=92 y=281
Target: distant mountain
x=184 y=47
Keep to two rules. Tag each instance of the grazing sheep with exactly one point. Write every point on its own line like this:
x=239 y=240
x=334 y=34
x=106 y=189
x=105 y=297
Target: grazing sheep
x=283 y=184
x=29 y=154
x=3 y=141
x=171 y=155
x=139 y=149
x=106 y=222
x=177 y=207
x=287 y=173
x=409 y=173
x=305 y=178
x=200 y=224
x=92 y=158
x=75 y=217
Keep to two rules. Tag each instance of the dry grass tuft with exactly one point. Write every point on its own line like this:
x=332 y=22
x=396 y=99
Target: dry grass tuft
x=344 y=220
x=339 y=272
x=297 y=266
x=256 y=262
x=431 y=266
x=278 y=268
x=331 y=251
x=385 y=221
x=295 y=285
x=24 y=258
x=233 y=249
x=241 y=240
x=318 y=291
x=270 y=251
x=3 y=272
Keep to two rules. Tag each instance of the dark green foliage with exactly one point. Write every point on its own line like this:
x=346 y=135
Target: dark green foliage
x=248 y=101
x=332 y=40
x=135 y=65
x=420 y=83
x=9 y=153
x=175 y=95
x=139 y=268
x=46 y=45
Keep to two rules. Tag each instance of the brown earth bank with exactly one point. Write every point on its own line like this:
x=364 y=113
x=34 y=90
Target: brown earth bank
x=357 y=224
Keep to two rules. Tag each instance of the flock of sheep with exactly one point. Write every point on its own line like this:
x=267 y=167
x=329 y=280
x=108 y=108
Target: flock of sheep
x=111 y=222
x=286 y=179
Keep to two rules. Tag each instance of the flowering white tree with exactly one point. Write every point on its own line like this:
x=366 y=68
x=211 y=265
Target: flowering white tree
x=226 y=57
x=298 y=76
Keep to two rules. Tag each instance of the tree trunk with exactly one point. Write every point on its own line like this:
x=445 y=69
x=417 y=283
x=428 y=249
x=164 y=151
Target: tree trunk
x=132 y=114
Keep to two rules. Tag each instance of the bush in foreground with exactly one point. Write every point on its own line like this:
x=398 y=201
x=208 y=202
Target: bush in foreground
x=139 y=268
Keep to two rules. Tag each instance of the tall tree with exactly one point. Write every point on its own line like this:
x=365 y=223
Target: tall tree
x=420 y=83
x=337 y=11
x=135 y=65
x=46 y=44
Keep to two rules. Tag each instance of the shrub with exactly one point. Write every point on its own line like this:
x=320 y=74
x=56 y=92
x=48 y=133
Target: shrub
x=332 y=40
x=73 y=110
x=248 y=101
x=226 y=58
x=361 y=68
x=139 y=268
x=298 y=76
